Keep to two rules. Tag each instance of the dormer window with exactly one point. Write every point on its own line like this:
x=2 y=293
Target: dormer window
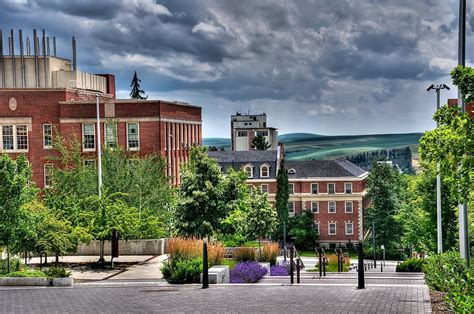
x=264 y=171
x=249 y=171
x=291 y=171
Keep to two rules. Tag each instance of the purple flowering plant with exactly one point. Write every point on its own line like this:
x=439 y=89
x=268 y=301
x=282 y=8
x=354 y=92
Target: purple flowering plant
x=280 y=269
x=247 y=272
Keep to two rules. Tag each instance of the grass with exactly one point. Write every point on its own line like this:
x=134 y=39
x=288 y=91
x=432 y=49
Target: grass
x=190 y=248
x=26 y=274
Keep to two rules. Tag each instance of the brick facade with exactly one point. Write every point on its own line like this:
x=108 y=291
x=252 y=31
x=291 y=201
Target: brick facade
x=167 y=128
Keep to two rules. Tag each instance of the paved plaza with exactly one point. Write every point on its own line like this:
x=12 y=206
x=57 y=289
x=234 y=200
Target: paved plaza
x=135 y=297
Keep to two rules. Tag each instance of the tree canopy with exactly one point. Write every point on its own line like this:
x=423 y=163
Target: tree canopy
x=137 y=92
x=260 y=143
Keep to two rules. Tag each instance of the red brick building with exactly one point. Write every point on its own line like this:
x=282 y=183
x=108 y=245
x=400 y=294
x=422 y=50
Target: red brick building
x=333 y=190
x=42 y=95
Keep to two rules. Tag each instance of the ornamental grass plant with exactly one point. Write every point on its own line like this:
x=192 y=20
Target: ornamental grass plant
x=244 y=254
x=269 y=253
x=191 y=248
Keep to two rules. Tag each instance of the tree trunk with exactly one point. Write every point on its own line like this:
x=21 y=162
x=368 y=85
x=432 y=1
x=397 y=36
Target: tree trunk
x=26 y=257
x=57 y=259
x=260 y=248
x=45 y=259
x=41 y=261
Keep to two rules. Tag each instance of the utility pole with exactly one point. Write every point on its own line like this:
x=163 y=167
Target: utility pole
x=463 y=220
x=99 y=170
x=439 y=228
x=373 y=240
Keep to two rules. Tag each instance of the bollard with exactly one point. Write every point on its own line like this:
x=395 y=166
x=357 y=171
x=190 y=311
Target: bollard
x=205 y=270
x=320 y=263
x=324 y=266
x=297 y=270
x=360 y=267
x=292 y=278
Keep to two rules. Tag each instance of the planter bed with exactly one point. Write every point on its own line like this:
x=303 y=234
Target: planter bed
x=43 y=282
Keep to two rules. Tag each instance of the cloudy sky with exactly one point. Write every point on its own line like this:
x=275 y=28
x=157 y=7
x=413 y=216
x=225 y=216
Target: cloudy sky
x=322 y=66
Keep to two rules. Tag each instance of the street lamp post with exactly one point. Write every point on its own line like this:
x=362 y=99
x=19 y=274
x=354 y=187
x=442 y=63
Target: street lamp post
x=99 y=170
x=439 y=229
x=373 y=240
x=463 y=218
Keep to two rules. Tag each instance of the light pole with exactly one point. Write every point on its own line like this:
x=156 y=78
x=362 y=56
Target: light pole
x=463 y=220
x=99 y=170
x=373 y=240
x=439 y=229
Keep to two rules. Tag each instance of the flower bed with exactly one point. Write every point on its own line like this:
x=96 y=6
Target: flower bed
x=247 y=272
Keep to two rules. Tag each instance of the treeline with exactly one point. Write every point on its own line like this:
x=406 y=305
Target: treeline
x=401 y=157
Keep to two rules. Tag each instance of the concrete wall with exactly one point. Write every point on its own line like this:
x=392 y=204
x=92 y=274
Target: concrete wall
x=131 y=247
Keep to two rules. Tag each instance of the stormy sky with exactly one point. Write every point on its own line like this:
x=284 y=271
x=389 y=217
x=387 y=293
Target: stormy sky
x=322 y=66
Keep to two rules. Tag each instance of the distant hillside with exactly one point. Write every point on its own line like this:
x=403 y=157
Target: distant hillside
x=303 y=146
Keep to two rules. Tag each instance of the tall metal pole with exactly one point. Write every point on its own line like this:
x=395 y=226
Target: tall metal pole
x=373 y=242
x=99 y=169
x=463 y=220
x=438 y=190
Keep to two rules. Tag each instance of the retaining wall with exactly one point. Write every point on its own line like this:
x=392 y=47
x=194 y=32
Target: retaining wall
x=130 y=247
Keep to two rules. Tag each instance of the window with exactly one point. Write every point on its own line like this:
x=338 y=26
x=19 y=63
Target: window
x=88 y=137
x=349 y=228
x=133 y=136
x=110 y=135
x=264 y=173
x=262 y=133
x=316 y=227
x=89 y=163
x=332 y=228
x=47 y=136
x=264 y=188
x=7 y=137
x=22 y=137
x=291 y=171
x=242 y=133
x=349 y=207
x=315 y=207
x=331 y=207
x=291 y=207
x=15 y=137
x=249 y=171
x=48 y=175
x=291 y=188
x=348 y=188
x=331 y=188
x=314 y=188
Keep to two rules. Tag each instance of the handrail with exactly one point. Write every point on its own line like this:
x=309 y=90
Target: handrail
x=284 y=250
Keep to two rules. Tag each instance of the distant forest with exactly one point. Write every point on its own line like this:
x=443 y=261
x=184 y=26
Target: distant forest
x=401 y=158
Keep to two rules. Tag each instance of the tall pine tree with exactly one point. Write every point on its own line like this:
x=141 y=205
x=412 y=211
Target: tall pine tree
x=282 y=198
x=259 y=143
x=136 y=92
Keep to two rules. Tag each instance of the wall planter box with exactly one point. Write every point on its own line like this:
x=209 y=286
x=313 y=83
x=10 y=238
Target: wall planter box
x=42 y=282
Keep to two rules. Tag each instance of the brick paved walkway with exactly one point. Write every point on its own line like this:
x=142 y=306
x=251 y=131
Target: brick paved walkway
x=152 y=297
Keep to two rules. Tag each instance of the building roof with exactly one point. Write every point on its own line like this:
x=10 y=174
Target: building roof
x=244 y=156
x=323 y=169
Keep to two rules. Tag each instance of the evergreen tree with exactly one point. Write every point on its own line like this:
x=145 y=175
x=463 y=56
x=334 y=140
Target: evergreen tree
x=282 y=198
x=136 y=92
x=259 y=143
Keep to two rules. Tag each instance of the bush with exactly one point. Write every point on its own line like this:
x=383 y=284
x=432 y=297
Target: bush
x=449 y=273
x=269 y=253
x=247 y=272
x=411 y=265
x=27 y=274
x=244 y=254
x=182 y=270
x=229 y=262
x=279 y=270
x=57 y=272
x=14 y=265
x=190 y=248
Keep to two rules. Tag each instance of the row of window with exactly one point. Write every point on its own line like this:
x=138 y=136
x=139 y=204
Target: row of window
x=264 y=171
x=332 y=228
x=110 y=130
x=331 y=188
x=245 y=133
x=348 y=207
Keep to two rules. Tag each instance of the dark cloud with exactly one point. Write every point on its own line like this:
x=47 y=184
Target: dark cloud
x=338 y=57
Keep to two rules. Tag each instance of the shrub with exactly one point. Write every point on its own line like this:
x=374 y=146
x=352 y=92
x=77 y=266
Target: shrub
x=247 y=272
x=191 y=248
x=269 y=253
x=279 y=269
x=182 y=270
x=244 y=254
x=57 y=272
x=229 y=262
x=14 y=265
x=27 y=274
x=449 y=273
x=411 y=265
x=331 y=265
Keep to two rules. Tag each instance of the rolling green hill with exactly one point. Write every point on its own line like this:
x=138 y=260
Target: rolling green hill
x=301 y=146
